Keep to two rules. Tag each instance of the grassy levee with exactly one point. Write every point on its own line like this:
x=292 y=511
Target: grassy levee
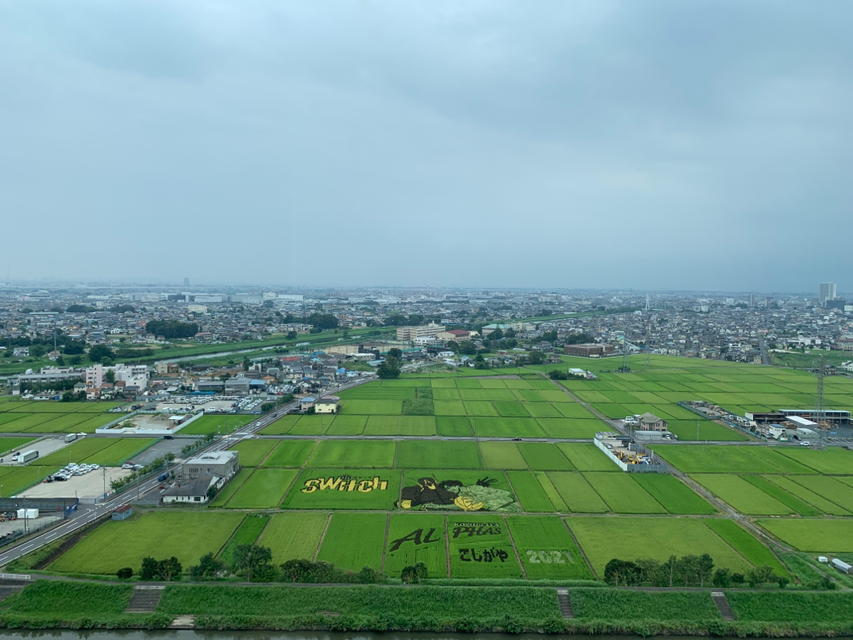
x=512 y=609
x=612 y=604
x=792 y=606
x=74 y=605
x=366 y=607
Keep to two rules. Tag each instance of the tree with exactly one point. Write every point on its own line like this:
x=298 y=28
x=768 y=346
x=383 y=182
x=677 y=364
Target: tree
x=369 y=575
x=149 y=569
x=172 y=329
x=414 y=573
x=73 y=348
x=760 y=575
x=80 y=308
x=535 y=357
x=124 y=573
x=388 y=370
x=208 y=568
x=670 y=570
x=323 y=320
x=291 y=335
x=722 y=577
x=297 y=570
x=704 y=568
x=251 y=559
x=110 y=376
x=99 y=352
x=395 y=353
x=738 y=578
x=467 y=348
x=650 y=569
x=624 y=571
x=169 y=569
x=782 y=581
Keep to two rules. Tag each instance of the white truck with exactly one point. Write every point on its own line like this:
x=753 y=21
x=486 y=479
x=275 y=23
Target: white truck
x=28 y=456
x=71 y=437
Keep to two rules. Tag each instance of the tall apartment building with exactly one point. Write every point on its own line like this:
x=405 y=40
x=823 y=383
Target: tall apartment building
x=430 y=330
x=828 y=291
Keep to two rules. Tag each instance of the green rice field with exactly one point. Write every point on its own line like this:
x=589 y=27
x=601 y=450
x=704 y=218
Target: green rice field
x=475 y=489
x=186 y=535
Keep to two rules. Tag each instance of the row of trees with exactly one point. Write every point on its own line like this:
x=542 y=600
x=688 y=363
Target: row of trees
x=687 y=571
x=172 y=329
x=254 y=563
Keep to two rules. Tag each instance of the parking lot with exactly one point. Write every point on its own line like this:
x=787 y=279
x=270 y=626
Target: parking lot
x=90 y=485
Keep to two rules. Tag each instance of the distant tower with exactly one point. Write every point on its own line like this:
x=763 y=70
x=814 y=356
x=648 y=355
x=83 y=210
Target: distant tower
x=751 y=300
x=186 y=282
x=828 y=291
x=648 y=302
x=625 y=368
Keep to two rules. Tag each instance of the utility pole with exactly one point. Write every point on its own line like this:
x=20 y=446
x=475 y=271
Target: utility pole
x=819 y=405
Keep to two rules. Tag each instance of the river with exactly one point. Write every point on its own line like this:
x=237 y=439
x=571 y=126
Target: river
x=279 y=635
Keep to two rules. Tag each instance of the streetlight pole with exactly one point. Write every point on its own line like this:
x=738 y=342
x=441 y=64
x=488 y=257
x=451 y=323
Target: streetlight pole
x=104 y=469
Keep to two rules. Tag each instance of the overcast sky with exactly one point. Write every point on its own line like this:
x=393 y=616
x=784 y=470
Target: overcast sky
x=690 y=145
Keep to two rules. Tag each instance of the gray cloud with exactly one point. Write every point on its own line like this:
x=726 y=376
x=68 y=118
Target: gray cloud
x=584 y=144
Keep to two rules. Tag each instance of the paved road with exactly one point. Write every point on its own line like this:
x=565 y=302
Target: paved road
x=765 y=357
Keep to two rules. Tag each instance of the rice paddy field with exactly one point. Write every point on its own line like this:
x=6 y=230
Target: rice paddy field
x=501 y=479
x=20 y=416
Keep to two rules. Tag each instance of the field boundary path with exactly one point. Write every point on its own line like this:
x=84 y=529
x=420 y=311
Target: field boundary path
x=722 y=603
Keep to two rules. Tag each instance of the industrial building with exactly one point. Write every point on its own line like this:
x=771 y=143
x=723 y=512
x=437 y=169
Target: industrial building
x=589 y=350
